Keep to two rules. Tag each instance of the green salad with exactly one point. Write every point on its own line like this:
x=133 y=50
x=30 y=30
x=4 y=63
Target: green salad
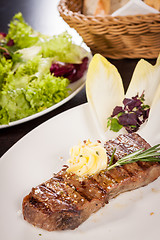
x=27 y=85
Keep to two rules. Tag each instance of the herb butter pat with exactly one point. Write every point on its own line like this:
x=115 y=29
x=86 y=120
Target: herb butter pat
x=87 y=158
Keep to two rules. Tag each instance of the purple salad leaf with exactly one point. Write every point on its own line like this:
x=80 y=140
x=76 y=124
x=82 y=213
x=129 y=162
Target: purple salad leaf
x=132 y=115
x=68 y=70
x=116 y=110
x=131 y=103
x=2 y=35
x=10 y=43
x=61 y=69
x=128 y=119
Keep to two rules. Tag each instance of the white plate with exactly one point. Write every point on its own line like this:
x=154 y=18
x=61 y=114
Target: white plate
x=32 y=160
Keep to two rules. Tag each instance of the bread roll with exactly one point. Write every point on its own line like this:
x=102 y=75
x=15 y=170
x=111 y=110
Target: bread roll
x=96 y=7
x=102 y=7
x=116 y=4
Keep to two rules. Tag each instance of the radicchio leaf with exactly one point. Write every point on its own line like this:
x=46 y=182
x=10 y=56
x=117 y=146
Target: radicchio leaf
x=2 y=35
x=4 y=45
x=10 y=43
x=68 y=70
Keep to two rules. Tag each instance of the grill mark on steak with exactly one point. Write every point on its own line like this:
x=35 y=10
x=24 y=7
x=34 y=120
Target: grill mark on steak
x=118 y=174
x=133 y=169
x=40 y=205
x=138 y=143
x=48 y=208
x=86 y=187
x=57 y=195
x=138 y=140
x=126 y=144
x=65 y=200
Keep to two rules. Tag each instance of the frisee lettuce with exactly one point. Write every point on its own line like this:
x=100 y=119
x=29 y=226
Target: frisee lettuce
x=24 y=94
x=21 y=33
x=59 y=48
x=62 y=48
x=26 y=84
x=46 y=92
x=5 y=68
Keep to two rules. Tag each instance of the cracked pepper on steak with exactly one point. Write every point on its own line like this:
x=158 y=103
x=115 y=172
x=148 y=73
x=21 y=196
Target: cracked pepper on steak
x=66 y=200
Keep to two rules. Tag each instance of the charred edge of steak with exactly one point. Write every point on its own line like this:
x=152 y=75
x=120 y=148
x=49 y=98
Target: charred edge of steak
x=55 y=205
x=38 y=214
x=65 y=201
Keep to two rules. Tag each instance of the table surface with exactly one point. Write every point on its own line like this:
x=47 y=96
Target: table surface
x=43 y=16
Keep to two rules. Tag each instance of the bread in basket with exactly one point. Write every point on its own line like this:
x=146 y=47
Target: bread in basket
x=118 y=37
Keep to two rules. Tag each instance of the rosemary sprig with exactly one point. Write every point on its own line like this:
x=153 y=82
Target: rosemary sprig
x=150 y=155
x=112 y=157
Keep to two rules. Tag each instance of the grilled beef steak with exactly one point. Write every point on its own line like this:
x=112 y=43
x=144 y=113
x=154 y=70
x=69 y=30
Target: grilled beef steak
x=66 y=200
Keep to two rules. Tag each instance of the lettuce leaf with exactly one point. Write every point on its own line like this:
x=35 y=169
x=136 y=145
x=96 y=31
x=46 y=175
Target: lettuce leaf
x=21 y=33
x=5 y=68
x=46 y=92
x=14 y=103
x=28 y=90
x=4 y=118
x=62 y=49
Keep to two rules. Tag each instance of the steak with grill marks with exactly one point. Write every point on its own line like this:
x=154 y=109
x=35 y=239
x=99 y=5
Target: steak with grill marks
x=66 y=200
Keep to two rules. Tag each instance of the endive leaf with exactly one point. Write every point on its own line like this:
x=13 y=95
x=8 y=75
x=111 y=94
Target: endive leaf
x=151 y=130
x=146 y=77
x=104 y=89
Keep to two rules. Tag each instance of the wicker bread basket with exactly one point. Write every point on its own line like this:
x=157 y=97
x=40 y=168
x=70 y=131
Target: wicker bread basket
x=120 y=37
